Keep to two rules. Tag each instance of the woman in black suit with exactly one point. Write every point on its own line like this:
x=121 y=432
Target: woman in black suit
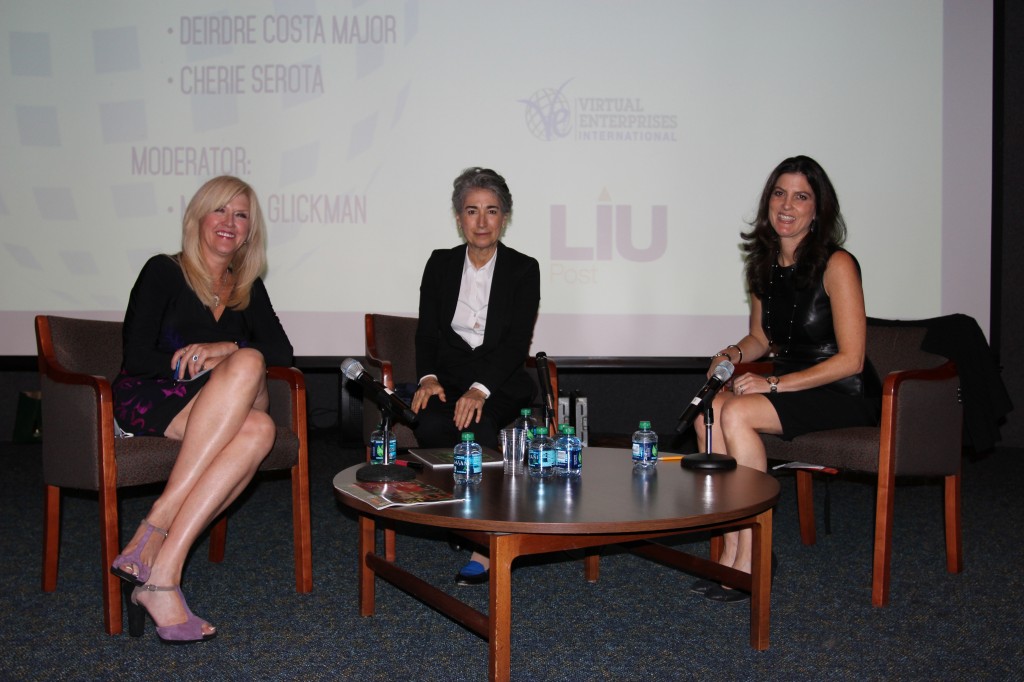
x=478 y=306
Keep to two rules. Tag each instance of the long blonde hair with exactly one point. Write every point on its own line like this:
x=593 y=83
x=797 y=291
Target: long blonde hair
x=249 y=261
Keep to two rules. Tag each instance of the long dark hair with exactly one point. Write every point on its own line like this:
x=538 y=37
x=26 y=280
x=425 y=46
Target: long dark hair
x=828 y=231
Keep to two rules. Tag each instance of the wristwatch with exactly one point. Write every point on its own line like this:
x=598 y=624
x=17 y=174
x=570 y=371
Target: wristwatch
x=773 y=382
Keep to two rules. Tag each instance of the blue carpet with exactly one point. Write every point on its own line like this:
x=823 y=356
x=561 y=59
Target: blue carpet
x=638 y=622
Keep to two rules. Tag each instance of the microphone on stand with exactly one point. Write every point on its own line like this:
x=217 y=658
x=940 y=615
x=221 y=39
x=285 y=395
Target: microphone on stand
x=544 y=379
x=385 y=399
x=708 y=460
x=723 y=372
x=391 y=407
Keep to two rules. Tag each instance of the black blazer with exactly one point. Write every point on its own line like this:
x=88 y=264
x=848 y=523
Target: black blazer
x=511 y=313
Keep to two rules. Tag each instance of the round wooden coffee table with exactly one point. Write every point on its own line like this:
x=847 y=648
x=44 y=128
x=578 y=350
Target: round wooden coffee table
x=610 y=504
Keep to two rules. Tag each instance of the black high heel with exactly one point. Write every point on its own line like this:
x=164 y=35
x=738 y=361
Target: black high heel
x=136 y=612
x=180 y=633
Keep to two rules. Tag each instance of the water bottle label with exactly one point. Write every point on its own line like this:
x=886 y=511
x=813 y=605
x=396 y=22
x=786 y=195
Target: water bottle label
x=541 y=458
x=461 y=464
x=645 y=452
x=476 y=465
x=377 y=450
x=575 y=459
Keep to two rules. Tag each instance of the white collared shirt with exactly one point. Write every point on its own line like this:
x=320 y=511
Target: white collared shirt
x=470 y=319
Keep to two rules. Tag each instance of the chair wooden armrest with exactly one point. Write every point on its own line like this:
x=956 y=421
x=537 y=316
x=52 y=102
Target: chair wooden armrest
x=373 y=356
x=762 y=367
x=287 y=413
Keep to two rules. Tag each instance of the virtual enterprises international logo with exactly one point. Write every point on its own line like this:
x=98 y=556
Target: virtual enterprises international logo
x=552 y=114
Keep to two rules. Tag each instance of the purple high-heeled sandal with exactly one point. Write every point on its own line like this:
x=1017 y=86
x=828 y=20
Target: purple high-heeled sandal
x=134 y=558
x=180 y=633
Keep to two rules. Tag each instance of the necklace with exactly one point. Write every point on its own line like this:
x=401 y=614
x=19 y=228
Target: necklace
x=773 y=343
x=220 y=286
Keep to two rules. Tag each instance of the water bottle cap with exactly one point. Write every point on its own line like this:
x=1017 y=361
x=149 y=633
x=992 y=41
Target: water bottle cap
x=467 y=435
x=645 y=425
x=541 y=430
x=526 y=412
x=569 y=430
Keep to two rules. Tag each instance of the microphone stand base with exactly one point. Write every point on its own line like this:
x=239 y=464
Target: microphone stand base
x=708 y=461
x=385 y=473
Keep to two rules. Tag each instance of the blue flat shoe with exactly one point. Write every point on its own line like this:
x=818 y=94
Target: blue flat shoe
x=472 y=573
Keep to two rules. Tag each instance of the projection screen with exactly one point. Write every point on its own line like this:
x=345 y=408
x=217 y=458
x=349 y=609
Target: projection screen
x=635 y=137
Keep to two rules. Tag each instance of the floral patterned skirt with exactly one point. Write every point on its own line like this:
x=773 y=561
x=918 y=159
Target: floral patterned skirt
x=146 y=407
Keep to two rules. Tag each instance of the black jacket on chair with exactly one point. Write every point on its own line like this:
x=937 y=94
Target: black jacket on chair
x=985 y=398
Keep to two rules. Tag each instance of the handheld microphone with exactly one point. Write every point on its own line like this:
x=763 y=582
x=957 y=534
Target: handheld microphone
x=377 y=392
x=723 y=371
x=544 y=377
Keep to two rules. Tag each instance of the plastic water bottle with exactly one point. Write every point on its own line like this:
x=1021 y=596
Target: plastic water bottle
x=468 y=460
x=540 y=456
x=568 y=453
x=526 y=422
x=377 y=447
x=645 y=446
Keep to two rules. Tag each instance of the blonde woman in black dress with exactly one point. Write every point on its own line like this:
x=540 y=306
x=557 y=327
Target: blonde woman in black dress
x=199 y=333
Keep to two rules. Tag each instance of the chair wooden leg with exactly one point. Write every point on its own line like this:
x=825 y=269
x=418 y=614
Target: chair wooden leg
x=51 y=536
x=303 y=537
x=805 y=506
x=882 y=562
x=110 y=535
x=218 y=538
x=954 y=540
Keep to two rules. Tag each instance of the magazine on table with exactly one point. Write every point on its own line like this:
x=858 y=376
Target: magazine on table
x=443 y=458
x=381 y=495
x=804 y=465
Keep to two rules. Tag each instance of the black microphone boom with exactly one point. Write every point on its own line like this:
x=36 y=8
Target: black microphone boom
x=723 y=371
x=544 y=378
x=375 y=391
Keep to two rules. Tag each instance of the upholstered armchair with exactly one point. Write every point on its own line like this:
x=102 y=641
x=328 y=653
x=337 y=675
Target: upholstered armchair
x=78 y=359
x=919 y=435
x=391 y=354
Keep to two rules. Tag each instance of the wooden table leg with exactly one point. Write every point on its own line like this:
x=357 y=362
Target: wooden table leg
x=717 y=545
x=502 y=551
x=761 y=580
x=367 y=545
x=592 y=565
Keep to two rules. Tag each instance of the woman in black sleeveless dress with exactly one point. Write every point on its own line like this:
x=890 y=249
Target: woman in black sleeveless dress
x=807 y=316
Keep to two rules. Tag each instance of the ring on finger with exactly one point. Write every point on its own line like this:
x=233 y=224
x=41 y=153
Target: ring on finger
x=195 y=358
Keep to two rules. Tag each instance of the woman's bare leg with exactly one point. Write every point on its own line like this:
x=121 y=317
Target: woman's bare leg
x=221 y=483
x=225 y=433
x=237 y=385
x=743 y=421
